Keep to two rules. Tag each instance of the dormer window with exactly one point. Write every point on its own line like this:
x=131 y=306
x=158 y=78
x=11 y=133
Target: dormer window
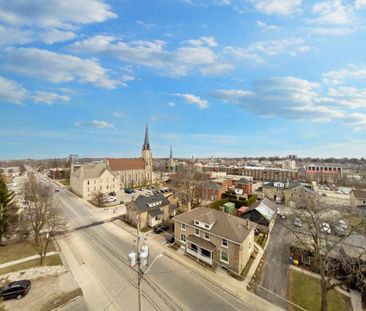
x=197 y=223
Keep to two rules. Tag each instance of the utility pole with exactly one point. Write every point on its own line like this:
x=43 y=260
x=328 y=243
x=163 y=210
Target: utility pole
x=139 y=272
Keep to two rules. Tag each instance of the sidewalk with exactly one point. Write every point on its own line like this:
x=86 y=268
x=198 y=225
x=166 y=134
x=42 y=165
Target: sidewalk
x=225 y=282
x=25 y=259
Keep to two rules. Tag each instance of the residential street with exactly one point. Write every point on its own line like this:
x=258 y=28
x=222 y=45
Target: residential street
x=97 y=256
x=274 y=271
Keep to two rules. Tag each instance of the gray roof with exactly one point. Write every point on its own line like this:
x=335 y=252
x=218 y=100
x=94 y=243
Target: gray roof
x=144 y=203
x=207 y=218
x=226 y=226
x=90 y=170
x=359 y=194
x=155 y=212
x=201 y=242
x=210 y=185
x=243 y=181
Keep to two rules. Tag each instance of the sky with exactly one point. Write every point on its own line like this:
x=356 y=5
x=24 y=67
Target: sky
x=221 y=78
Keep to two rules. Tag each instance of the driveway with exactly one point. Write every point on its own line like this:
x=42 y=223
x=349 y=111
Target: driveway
x=273 y=276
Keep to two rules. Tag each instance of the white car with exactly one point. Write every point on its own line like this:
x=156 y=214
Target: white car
x=110 y=199
x=325 y=228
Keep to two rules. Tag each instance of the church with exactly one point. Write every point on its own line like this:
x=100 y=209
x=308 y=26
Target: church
x=113 y=174
x=134 y=172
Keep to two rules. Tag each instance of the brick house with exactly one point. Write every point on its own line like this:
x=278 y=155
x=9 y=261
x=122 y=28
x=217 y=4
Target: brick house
x=244 y=184
x=215 y=238
x=211 y=191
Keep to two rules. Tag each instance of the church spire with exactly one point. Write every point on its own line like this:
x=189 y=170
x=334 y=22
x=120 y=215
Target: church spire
x=146 y=145
x=171 y=152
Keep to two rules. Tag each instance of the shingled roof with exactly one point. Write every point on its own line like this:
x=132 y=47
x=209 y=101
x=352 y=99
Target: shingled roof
x=144 y=203
x=360 y=194
x=125 y=164
x=90 y=170
x=226 y=226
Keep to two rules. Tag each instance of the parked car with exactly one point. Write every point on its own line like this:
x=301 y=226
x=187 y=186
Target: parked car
x=128 y=190
x=340 y=231
x=160 y=228
x=110 y=199
x=297 y=222
x=17 y=289
x=170 y=238
x=325 y=228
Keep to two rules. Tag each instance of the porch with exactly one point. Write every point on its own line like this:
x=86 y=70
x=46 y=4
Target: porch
x=200 y=249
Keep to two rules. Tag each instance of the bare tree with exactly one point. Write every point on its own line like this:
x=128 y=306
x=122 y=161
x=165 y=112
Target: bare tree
x=322 y=239
x=185 y=183
x=43 y=217
x=98 y=197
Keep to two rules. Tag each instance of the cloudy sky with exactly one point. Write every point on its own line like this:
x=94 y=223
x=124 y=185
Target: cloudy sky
x=210 y=77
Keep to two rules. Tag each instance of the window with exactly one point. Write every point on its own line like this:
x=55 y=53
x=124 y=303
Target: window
x=183 y=238
x=88 y=182
x=206 y=236
x=224 y=243
x=196 y=223
x=88 y=189
x=183 y=227
x=101 y=187
x=207 y=226
x=197 y=232
x=224 y=257
x=95 y=181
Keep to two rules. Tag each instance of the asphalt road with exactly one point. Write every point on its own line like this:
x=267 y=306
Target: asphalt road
x=97 y=256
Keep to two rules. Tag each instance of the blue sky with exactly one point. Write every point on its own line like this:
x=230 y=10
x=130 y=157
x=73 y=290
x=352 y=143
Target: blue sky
x=212 y=78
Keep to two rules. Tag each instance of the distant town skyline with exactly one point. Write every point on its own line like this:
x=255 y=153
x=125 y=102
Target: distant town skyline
x=221 y=78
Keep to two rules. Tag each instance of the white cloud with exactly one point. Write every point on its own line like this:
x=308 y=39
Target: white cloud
x=120 y=114
x=153 y=54
x=331 y=31
x=95 y=124
x=256 y=51
x=277 y=7
x=202 y=41
x=287 y=97
x=194 y=100
x=49 y=98
x=350 y=97
x=9 y=36
x=11 y=91
x=333 y=12
x=360 y=4
x=266 y=27
x=54 y=13
x=337 y=76
x=53 y=36
x=56 y=68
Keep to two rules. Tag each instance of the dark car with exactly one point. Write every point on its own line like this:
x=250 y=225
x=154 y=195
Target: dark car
x=160 y=228
x=170 y=238
x=129 y=191
x=17 y=289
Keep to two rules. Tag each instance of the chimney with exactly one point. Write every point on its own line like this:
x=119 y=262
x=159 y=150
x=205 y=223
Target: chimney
x=248 y=224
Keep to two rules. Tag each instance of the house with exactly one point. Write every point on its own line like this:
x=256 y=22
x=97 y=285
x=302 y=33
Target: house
x=245 y=185
x=225 y=182
x=93 y=178
x=152 y=210
x=263 y=213
x=357 y=197
x=215 y=238
x=290 y=193
x=210 y=191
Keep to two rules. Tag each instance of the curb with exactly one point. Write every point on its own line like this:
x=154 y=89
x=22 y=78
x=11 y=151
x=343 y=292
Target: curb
x=216 y=283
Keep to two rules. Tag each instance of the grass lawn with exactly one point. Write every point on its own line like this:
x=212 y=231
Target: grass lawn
x=19 y=250
x=53 y=260
x=304 y=290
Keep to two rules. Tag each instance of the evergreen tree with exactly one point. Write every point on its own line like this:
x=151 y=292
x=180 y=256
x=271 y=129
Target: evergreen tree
x=7 y=209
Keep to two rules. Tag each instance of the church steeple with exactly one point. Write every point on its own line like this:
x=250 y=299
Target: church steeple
x=146 y=145
x=171 y=152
